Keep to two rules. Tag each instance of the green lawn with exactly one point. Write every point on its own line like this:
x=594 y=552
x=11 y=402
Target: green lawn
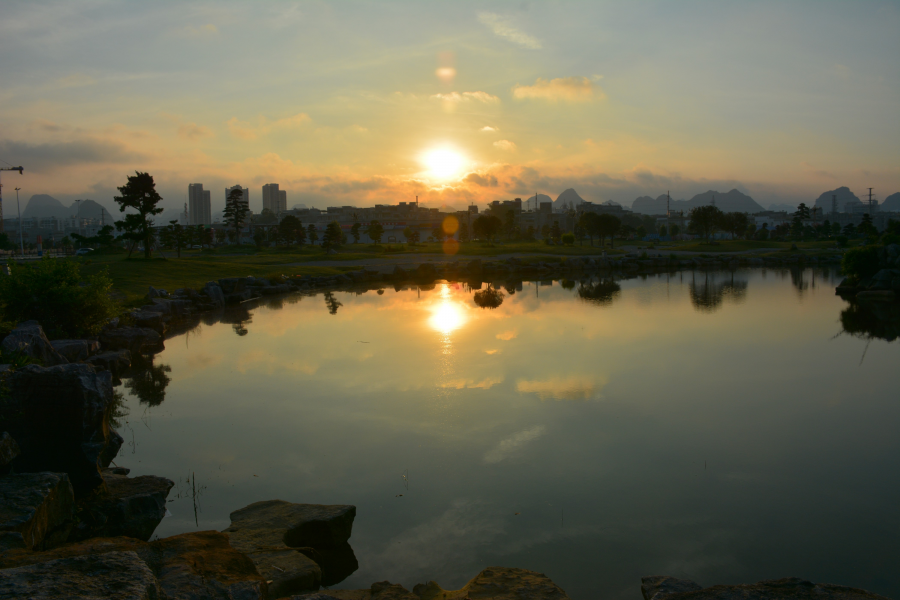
x=742 y=246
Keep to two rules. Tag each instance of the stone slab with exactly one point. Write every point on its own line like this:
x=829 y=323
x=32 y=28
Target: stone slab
x=37 y=510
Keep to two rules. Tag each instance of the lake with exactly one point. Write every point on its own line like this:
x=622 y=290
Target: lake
x=721 y=427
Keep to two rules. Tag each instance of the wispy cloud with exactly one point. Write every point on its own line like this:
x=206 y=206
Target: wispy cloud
x=484 y=384
x=570 y=89
x=488 y=128
x=513 y=444
x=193 y=132
x=263 y=126
x=558 y=388
x=502 y=27
x=505 y=145
x=201 y=31
x=75 y=80
x=456 y=97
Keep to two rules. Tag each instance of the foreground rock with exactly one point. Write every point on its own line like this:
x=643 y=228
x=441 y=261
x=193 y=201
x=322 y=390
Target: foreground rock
x=133 y=339
x=76 y=350
x=119 y=575
x=131 y=507
x=9 y=449
x=58 y=417
x=296 y=546
x=28 y=339
x=190 y=566
x=114 y=361
x=37 y=510
x=669 y=588
x=500 y=583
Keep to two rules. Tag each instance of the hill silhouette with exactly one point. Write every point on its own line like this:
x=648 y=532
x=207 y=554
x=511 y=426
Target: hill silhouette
x=844 y=197
x=44 y=206
x=733 y=201
x=569 y=198
x=891 y=203
x=529 y=203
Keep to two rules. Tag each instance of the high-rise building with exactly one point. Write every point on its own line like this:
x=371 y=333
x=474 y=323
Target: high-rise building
x=199 y=211
x=273 y=198
x=245 y=193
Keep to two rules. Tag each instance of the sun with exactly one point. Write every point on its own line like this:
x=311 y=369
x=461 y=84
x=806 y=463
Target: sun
x=443 y=163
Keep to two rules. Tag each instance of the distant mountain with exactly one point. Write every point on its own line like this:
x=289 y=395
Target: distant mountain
x=43 y=206
x=531 y=204
x=568 y=198
x=891 y=203
x=446 y=208
x=733 y=201
x=844 y=197
x=789 y=208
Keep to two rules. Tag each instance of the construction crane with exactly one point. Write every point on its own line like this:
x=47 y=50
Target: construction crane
x=19 y=169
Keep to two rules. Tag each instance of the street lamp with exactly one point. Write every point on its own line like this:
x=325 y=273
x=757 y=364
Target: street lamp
x=19 y=210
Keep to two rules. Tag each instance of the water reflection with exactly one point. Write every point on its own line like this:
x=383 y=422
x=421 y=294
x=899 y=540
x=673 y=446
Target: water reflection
x=488 y=298
x=447 y=315
x=147 y=381
x=332 y=303
x=872 y=320
x=708 y=293
x=601 y=292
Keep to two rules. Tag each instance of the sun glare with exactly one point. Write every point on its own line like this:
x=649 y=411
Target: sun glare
x=443 y=163
x=446 y=315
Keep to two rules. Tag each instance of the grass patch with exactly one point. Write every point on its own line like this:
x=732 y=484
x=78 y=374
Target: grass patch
x=745 y=245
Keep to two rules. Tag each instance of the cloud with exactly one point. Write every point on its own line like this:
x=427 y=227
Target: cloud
x=557 y=388
x=202 y=31
x=513 y=444
x=488 y=128
x=77 y=152
x=456 y=97
x=569 y=89
x=75 y=80
x=482 y=180
x=508 y=335
x=193 y=132
x=263 y=126
x=501 y=27
x=505 y=145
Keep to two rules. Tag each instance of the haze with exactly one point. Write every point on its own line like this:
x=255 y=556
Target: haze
x=362 y=103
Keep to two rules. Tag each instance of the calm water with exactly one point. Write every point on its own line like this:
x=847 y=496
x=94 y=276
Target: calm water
x=710 y=427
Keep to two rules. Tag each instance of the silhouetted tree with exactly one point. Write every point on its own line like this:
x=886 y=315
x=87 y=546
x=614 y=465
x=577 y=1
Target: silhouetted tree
x=332 y=237
x=706 y=220
x=139 y=194
x=355 y=231
x=312 y=234
x=235 y=213
x=375 y=231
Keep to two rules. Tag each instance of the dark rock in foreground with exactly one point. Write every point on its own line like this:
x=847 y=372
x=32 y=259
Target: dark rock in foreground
x=114 y=575
x=58 y=417
x=37 y=510
x=133 y=339
x=76 y=350
x=280 y=537
x=127 y=507
x=189 y=566
x=660 y=587
x=9 y=449
x=28 y=339
x=114 y=361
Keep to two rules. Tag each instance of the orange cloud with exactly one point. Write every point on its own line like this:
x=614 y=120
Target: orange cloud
x=569 y=89
x=263 y=126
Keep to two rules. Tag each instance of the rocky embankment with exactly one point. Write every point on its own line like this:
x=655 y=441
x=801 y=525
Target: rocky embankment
x=884 y=285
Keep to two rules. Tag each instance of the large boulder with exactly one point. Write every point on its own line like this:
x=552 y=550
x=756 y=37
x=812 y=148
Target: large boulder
x=114 y=575
x=215 y=294
x=28 y=339
x=58 y=416
x=9 y=449
x=149 y=320
x=37 y=510
x=296 y=546
x=134 y=339
x=790 y=588
x=76 y=350
x=190 y=566
x=114 y=361
x=132 y=507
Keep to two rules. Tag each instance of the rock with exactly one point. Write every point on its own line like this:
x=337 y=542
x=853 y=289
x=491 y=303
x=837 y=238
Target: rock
x=215 y=294
x=115 y=361
x=58 y=417
x=198 y=565
x=275 y=533
x=28 y=339
x=37 y=510
x=149 y=320
x=499 y=583
x=232 y=285
x=657 y=587
x=133 y=339
x=129 y=507
x=76 y=350
x=426 y=271
x=791 y=588
x=113 y=445
x=153 y=293
x=114 y=575
x=9 y=449
x=399 y=272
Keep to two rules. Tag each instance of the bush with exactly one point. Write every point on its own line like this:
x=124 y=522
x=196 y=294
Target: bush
x=54 y=292
x=568 y=239
x=859 y=263
x=841 y=241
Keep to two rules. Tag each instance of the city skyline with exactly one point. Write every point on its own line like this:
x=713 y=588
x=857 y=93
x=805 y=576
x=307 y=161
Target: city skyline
x=369 y=104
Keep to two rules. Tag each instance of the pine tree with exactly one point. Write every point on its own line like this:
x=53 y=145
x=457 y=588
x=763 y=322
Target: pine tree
x=235 y=213
x=139 y=194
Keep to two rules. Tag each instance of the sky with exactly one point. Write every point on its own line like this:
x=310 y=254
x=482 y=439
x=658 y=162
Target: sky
x=357 y=103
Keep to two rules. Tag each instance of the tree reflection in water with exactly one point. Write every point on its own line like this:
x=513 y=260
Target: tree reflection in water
x=148 y=381
x=237 y=317
x=872 y=320
x=602 y=292
x=708 y=294
x=488 y=297
x=332 y=303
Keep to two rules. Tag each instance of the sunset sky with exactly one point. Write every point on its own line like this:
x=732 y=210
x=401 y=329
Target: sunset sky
x=363 y=102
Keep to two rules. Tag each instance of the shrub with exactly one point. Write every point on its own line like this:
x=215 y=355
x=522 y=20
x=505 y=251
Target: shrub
x=841 y=241
x=54 y=292
x=860 y=263
x=568 y=239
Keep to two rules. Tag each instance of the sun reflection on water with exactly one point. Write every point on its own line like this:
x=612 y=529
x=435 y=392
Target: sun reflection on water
x=446 y=315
